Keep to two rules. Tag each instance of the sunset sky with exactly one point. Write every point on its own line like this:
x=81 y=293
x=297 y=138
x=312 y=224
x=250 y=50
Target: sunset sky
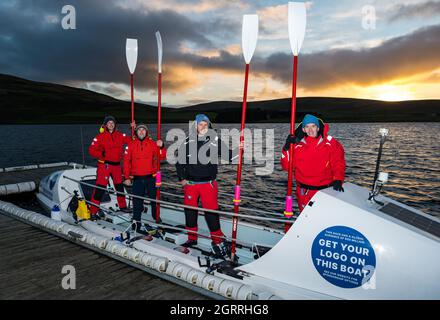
x=397 y=59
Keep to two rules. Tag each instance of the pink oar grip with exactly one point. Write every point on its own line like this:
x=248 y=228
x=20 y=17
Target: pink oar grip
x=158 y=179
x=288 y=213
x=237 y=195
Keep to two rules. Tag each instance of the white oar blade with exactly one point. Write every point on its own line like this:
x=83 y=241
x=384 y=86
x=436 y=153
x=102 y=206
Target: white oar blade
x=249 y=36
x=297 y=25
x=159 y=51
x=131 y=52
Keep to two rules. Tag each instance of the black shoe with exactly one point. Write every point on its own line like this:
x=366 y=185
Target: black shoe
x=101 y=214
x=189 y=244
x=151 y=230
x=125 y=210
x=221 y=250
x=97 y=216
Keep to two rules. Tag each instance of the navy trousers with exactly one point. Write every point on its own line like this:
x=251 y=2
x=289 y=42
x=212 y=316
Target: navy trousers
x=144 y=186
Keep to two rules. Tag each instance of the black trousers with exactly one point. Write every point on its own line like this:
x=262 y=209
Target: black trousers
x=212 y=219
x=144 y=186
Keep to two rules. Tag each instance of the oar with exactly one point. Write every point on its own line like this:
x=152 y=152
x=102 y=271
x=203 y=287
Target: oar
x=249 y=43
x=159 y=119
x=297 y=29
x=131 y=53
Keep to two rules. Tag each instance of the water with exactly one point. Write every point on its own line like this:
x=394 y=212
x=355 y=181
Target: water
x=410 y=156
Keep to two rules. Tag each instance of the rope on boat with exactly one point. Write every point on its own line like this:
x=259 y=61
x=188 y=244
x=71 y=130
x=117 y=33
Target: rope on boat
x=224 y=213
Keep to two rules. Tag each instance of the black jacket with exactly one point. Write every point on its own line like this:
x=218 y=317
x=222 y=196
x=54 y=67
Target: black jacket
x=191 y=167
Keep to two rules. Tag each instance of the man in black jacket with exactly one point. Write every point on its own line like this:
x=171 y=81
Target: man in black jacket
x=197 y=171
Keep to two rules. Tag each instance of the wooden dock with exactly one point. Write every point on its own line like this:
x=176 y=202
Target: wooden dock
x=15 y=180
x=31 y=261
x=30 y=173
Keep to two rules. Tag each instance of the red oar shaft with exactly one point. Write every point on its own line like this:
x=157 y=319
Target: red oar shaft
x=132 y=103
x=159 y=106
x=240 y=164
x=292 y=131
x=159 y=126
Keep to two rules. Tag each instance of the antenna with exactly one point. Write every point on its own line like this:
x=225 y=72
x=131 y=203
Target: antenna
x=379 y=178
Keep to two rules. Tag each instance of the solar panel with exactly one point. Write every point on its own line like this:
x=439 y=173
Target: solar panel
x=412 y=218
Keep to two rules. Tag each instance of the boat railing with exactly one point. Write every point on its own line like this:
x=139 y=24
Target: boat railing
x=177 y=186
x=229 y=205
x=232 y=196
x=111 y=213
x=183 y=206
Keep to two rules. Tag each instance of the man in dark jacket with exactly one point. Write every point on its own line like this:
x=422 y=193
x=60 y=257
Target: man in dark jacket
x=197 y=170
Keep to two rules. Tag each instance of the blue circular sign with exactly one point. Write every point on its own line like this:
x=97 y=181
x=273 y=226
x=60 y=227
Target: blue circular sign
x=343 y=256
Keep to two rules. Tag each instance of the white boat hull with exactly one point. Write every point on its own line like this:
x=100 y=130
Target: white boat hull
x=341 y=247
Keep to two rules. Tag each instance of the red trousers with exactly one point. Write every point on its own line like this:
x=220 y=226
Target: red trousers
x=208 y=195
x=103 y=173
x=303 y=196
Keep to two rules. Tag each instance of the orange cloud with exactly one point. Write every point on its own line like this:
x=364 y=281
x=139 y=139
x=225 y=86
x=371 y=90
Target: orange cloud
x=394 y=60
x=233 y=49
x=200 y=7
x=179 y=77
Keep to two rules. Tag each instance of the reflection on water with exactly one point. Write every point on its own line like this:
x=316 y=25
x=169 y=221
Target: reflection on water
x=410 y=156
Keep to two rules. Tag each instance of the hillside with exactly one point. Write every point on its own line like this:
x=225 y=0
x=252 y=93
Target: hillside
x=23 y=101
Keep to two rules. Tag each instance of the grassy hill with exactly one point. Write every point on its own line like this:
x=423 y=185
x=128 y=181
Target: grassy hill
x=29 y=102
x=24 y=101
x=330 y=109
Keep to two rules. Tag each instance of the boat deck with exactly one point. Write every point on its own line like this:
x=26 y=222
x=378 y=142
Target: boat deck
x=31 y=261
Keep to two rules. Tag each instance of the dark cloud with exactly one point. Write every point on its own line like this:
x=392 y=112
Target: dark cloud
x=420 y=10
x=33 y=47
x=225 y=61
x=95 y=51
x=407 y=55
x=401 y=56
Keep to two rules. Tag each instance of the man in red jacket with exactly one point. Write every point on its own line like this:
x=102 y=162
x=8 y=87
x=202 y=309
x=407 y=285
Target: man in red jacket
x=107 y=148
x=141 y=159
x=318 y=160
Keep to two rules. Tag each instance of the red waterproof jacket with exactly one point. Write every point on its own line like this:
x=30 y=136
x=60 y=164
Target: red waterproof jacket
x=108 y=146
x=141 y=157
x=317 y=161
